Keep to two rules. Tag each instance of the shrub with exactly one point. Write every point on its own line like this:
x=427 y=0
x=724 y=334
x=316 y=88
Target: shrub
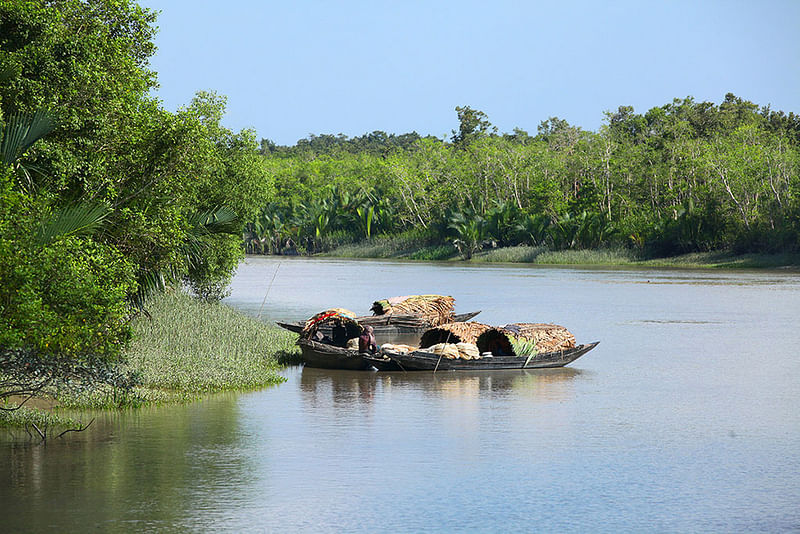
x=67 y=298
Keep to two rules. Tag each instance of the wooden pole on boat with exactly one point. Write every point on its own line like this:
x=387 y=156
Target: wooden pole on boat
x=442 y=354
x=268 y=288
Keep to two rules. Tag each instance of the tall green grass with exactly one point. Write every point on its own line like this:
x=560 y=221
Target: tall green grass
x=378 y=247
x=726 y=260
x=542 y=255
x=25 y=417
x=433 y=253
x=587 y=257
x=197 y=347
x=518 y=254
x=411 y=245
x=186 y=348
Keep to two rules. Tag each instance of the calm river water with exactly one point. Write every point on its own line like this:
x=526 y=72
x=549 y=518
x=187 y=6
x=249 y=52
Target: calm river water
x=686 y=418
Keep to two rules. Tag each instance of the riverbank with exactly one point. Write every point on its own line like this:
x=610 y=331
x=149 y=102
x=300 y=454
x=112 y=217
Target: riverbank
x=184 y=349
x=405 y=249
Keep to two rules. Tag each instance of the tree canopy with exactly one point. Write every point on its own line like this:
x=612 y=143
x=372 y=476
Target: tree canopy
x=162 y=195
x=686 y=176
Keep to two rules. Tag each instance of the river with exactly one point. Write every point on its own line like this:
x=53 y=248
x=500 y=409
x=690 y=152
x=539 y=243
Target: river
x=686 y=418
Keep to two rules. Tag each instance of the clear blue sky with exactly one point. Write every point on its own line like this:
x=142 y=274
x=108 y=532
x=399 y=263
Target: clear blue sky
x=298 y=67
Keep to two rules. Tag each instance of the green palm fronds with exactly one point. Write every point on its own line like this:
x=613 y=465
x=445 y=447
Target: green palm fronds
x=21 y=131
x=523 y=347
x=149 y=283
x=219 y=220
x=18 y=134
x=82 y=218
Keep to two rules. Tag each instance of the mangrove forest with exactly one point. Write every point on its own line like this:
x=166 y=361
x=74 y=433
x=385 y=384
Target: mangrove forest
x=107 y=198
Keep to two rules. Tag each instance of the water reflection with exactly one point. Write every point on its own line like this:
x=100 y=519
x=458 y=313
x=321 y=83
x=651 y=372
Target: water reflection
x=324 y=387
x=143 y=469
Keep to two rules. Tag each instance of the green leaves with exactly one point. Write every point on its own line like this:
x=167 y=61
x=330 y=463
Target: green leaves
x=21 y=131
x=473 y=124
x=219 y=220
x=469 y=230
x=365 y=216
x=203 y=224
x=17 y=135
x=83 y=218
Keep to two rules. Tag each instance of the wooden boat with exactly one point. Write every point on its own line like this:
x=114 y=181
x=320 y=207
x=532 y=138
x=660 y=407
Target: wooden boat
x=326 y=356
x=383 y=325
x=382 y=362
x=328 y=351
x=427 y=361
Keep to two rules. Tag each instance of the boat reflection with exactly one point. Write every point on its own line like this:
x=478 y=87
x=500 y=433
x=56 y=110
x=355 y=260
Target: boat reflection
x=348 y=387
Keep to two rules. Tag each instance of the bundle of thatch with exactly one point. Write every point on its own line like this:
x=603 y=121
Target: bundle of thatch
x=545 y=337
x=435 y=309
x=452 y=351
x=453 y=333
x=404 y=349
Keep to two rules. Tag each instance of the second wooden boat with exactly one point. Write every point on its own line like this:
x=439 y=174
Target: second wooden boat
x=427 y=361
x=383 y=325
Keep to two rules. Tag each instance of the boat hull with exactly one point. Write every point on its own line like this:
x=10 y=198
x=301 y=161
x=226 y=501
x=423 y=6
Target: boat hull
x=382 y=363
x=326 y=356
x=426 y=361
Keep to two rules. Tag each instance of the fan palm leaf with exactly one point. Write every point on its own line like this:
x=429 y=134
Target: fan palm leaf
x=21 y=131
x=18 y=134
x=219 y=220
x=82 y=218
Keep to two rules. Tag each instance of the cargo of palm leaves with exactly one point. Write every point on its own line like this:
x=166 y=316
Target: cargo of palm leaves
x=476 y=346
x=410 y=314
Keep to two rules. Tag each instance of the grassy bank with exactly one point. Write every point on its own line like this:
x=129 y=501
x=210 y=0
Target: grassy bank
x=410 y=249
x=187 y=348
x=399 y=247
x=184 y=349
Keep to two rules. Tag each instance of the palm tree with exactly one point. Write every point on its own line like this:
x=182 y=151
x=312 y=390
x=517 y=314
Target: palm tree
x=533 y=228
x=469 y=231
x=17 y=135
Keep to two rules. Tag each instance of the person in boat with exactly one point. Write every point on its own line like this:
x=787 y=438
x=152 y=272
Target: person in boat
x=339 y=334
x=366 y=341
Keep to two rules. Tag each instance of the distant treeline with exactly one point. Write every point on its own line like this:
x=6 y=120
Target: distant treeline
x=686 y=176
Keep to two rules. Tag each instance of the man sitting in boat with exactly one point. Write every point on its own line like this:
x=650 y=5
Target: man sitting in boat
x=366 y=341
x=338 y=333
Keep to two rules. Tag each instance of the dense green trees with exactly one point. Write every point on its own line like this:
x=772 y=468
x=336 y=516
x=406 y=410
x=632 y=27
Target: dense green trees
x=121 y=196
x=686 y=176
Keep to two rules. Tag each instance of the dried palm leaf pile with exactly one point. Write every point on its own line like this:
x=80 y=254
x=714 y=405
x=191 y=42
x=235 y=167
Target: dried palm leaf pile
x=540 y=337
x=453 y=340
x=451 y=351
x=433 y=309
x=453 y=333
x=404 y=349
